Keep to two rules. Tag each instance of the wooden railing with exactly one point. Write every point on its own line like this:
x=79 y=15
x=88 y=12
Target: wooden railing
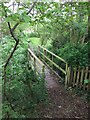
x=73 y=77
x=78 y=76
x=35 y=62
x=43 y=52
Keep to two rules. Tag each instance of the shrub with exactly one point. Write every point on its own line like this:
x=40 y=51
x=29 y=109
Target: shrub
x=75 y=54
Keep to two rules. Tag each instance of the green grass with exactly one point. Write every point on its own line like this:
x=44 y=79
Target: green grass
x=35 y=41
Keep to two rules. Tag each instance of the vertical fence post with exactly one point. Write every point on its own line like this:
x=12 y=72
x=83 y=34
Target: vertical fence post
x=53 y=61
x=71 y=76
x=81 y=80
x=74 y=77
x=44 y=54
x=78 y=75
x=86 y=74
x=66 y=76
x=43 y=71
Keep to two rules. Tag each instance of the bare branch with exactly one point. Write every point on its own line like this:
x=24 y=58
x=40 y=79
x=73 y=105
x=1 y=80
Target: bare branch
x=31 y=8
x=15 y=27
x=11 y=32
x=11 y=54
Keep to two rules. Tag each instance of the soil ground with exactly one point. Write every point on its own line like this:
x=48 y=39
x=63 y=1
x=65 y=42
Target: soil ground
x=62 y=103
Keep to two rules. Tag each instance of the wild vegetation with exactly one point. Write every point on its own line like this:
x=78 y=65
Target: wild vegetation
x=63 y=28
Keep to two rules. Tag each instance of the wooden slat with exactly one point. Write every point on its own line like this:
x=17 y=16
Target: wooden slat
x=68 y=74
x=81 y=80
x=86 y=74
x=74 y=78
x=44 y=54
x=53 y=54
x=54 y=63
x=78 y=75
x=66 y=77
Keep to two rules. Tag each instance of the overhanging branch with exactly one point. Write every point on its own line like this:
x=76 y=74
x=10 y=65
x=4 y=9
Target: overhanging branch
x=27 y=14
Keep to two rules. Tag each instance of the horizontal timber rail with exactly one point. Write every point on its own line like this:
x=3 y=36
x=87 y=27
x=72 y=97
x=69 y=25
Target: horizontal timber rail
x=53 y=54
x=43 y=52
x=35 y=60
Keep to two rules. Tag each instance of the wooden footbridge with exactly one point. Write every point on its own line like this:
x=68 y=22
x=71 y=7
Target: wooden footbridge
x=45 y=60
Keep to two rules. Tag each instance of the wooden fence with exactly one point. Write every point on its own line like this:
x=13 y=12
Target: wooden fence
x=36 y=64
x=78 y=76
x=73 y=77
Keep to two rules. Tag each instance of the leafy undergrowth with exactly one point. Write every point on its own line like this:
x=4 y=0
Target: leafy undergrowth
x=24 y=88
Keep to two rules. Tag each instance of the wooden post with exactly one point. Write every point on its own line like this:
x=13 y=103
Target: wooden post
x=81 y=79
x=43 y=71
x=66 y=76
x=70 y=75
x=44 y=54
x=53 y=61
x=86 y=74
x=74 y=77
x=78 y=75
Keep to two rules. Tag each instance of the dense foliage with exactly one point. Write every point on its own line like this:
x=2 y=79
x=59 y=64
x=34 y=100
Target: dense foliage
x=24 y=87
x=74 y=54
x=62 y=28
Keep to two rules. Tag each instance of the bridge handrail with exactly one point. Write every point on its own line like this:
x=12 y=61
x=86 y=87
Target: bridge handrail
x=36 y=59
x=54 y=63
x=43 y=53
x=53 y=54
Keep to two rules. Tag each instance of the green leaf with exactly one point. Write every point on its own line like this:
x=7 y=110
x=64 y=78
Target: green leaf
x=86 y=81
x=8 y=19
x=25 y=17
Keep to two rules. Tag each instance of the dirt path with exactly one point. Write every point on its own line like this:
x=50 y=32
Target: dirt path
x=62 y=104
